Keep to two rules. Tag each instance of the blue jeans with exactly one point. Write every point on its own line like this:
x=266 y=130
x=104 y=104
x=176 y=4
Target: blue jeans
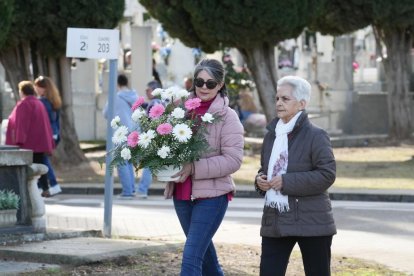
x=200 y=220
x=145 y=181
x=50 y=173
x=127 y=178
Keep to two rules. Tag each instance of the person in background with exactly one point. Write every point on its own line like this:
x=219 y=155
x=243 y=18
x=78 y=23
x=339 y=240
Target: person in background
x=297 y=168
x=49 y=96
x=152 y=100
x=124 y=100
x=188 y=83
x=146 y=176
x=29 y=128
x=204 y=188
x=155 y=73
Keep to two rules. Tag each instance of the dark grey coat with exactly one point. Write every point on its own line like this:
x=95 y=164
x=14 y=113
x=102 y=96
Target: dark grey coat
x=310 y=172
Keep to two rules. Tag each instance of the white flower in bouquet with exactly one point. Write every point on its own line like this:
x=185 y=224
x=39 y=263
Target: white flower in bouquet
x=126 y=153
x=120 y=135
x=163 y=152
x=157 y=92
x=182 y=132
x=137 y=114
x=168 y=94
x=115 y=122
x=181 y=93
x=207 y=118
x=146 y=138
x=178 y=113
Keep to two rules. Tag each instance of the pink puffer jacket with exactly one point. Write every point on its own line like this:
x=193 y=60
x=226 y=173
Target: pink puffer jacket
x=212 y=173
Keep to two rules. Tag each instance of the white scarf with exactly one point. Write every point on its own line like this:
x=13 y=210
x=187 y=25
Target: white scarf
x=278 y=163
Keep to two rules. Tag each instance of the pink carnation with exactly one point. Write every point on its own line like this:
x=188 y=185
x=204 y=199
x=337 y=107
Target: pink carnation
x=138 y=103
x=132 y=139
x=156 y=111
x=192 y=103
x=164 y=129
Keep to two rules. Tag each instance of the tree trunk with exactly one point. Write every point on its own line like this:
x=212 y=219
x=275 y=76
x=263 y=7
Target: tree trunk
x=397 y=68
x=16 y=62
x=68 y=151
x=261 y=62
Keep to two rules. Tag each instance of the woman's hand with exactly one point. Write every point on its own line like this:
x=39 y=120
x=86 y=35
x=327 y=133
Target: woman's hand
x=264 y=185
x=185 y=172
x=169 y=190
x=276 y=183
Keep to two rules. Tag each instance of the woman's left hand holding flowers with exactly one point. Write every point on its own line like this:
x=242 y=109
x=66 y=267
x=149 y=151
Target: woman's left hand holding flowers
x=185 y=172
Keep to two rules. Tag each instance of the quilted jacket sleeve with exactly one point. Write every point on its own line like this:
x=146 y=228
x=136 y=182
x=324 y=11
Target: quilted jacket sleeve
x=227 y=159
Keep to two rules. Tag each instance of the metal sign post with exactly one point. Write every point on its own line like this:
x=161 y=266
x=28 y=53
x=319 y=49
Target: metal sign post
x=97 y=44
x=109 y=180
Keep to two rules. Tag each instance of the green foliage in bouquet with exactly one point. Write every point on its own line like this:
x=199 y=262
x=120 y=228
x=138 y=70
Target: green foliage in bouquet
x=169 y=134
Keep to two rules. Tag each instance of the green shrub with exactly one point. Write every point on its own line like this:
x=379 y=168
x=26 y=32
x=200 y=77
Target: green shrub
x=8 y=200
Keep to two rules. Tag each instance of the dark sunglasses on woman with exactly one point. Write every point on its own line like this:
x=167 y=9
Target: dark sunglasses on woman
x=210 y=84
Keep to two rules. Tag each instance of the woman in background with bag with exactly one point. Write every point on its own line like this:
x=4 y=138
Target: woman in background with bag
x=49 y=96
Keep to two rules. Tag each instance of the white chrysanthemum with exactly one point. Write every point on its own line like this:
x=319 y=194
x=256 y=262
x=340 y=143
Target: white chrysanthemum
x=146 y=138
x=182 y=132
x=207 y=117
x=178 y=113
x=168 y=94
x=115 y=122
x=156 y=92
x=120 y=135
x=138 y=113
x=126 y=153
x=181 y=93
x=163 y=152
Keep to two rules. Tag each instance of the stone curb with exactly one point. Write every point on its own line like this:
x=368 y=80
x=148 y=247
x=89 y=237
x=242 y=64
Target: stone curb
x=350 y=196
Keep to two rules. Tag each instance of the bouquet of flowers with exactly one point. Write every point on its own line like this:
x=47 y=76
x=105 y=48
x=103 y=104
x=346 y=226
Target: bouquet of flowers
x=168 y=135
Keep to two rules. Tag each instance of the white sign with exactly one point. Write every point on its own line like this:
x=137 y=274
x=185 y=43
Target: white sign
x=92 y=43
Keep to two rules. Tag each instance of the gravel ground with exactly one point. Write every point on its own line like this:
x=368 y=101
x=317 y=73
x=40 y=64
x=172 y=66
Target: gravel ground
x=236 y=260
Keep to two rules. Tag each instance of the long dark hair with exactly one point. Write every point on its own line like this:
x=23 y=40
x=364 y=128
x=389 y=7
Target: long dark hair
x=215 y=69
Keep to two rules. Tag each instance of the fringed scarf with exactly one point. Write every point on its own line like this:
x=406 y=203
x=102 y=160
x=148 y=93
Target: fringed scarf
x=278 y=163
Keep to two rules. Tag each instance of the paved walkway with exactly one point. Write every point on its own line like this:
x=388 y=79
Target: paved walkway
x=154 y=221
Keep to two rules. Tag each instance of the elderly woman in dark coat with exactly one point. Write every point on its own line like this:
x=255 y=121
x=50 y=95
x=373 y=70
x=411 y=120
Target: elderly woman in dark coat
x=297 y=168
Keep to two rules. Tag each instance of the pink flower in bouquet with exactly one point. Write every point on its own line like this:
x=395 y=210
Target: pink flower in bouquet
x=156 y=111
x=138 y=103
x=132 y=139
x=192 y=103
x=164 y=129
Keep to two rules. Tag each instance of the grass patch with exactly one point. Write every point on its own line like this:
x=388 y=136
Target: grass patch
x=370 y=168
x=367 y=168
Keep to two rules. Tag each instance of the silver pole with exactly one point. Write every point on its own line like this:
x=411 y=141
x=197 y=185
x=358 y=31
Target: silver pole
x=109 y=180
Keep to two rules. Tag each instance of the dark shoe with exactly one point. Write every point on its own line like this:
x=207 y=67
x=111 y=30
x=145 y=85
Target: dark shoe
x=45 y=194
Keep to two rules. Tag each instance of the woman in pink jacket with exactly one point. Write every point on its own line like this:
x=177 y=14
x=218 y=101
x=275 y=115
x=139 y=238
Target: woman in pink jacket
x=205 y=187
x=29 y=128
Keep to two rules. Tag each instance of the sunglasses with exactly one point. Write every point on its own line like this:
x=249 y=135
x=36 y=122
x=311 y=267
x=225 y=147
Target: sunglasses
x=210 y=84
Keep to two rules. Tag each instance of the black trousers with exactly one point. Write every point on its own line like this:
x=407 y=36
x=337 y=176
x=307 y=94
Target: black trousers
x=43 y=181
x=316 y=255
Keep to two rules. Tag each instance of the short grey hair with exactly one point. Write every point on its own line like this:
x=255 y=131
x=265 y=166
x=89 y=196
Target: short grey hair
x=301 y=87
